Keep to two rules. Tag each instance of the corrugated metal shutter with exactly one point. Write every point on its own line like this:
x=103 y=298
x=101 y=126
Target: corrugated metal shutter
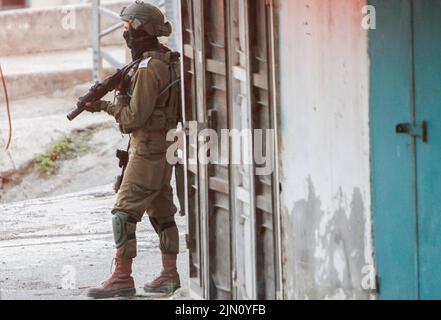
x=228 y=85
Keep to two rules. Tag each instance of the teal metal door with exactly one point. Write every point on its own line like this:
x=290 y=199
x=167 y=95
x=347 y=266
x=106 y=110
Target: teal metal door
x=405 y=52
x=427 y=74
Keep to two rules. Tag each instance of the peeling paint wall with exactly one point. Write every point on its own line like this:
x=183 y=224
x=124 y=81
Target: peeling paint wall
x=324 y=156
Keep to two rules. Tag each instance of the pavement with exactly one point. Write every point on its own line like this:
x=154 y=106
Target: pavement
x=56 y=248
x=56 y=61
x=37 y=123
x=39 y=73
x=55 y=232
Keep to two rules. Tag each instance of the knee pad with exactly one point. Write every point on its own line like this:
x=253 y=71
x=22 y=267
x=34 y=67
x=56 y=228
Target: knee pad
x=160 y=224
x=124 y=229
x=168 y=233
x=169 y=241
x=155 y=224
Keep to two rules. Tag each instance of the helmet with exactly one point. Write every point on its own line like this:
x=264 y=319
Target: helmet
x=146 y=17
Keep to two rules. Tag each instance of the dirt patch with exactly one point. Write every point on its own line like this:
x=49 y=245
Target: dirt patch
x=69 y=147
x=81 y=159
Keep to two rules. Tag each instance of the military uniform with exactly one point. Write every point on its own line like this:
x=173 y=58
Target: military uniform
x=146 y=184
x=147 y=109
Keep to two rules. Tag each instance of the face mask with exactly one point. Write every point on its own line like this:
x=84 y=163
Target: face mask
x=127 y=37
x=138 y=41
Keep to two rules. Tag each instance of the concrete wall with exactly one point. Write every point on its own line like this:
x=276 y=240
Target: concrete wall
x=53 y=3
x=48 y=29
x=48 y=3
x=325 y=160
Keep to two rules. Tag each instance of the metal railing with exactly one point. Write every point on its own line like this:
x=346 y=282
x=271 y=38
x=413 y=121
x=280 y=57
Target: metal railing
x=170 y=8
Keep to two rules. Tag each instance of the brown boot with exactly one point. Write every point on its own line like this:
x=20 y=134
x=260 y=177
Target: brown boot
x=120 y=284
x=168 y=281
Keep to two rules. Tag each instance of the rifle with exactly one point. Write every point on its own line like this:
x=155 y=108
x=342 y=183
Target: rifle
x=100 y=89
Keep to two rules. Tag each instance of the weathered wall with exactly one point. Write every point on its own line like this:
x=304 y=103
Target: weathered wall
x=324 y=135
x=48 y=3
x=48 y=29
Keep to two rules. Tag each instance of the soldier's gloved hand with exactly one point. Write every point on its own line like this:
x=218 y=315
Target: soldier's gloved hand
x=98 y=106
x=122 y=100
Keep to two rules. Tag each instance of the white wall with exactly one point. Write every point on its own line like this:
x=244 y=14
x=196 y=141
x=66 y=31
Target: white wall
x=324 y=136
x=53 y=3
x=54 y=28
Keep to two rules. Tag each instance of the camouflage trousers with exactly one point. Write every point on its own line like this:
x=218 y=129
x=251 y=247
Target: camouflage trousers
x=146 y=189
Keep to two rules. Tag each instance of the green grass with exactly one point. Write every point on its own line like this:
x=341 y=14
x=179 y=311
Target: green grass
x=68 y=147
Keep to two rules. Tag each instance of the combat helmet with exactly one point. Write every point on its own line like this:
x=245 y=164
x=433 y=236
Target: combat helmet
x=147 y=17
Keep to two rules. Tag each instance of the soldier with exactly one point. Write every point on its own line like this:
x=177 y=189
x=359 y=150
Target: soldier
x=148 y=110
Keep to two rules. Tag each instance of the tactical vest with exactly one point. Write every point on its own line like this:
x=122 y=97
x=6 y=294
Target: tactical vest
x=164 y=118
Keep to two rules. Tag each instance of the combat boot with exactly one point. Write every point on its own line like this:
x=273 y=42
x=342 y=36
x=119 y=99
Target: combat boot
x=168 y=281
x=120 y=284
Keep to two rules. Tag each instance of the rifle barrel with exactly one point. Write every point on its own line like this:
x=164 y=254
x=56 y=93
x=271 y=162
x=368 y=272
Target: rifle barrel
x=75 y=113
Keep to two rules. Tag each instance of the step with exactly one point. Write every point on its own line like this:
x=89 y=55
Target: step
x=54 y=28
x=31 y=75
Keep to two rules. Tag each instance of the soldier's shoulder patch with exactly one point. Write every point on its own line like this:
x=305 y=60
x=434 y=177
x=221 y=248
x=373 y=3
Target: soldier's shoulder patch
x=144 y=63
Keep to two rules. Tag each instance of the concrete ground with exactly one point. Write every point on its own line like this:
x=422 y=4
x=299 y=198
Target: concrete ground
x=40 y=121
x=54 y=62
x=57 y=248
x=40 y=73
x=55 y=232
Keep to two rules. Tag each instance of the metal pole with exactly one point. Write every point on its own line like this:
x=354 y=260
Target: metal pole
x=172 y=9
x=275 y=151
x=177 y=25
x=171 y=12
x=96 y=40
